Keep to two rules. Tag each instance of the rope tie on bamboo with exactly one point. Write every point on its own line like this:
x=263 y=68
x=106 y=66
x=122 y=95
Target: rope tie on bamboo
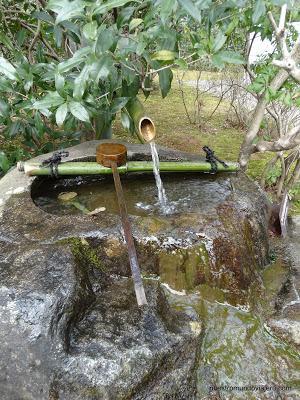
x=212 y=159
x=53 y=162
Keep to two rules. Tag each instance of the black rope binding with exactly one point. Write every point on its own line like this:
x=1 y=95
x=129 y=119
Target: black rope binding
x=212 y=159
x=53 y=162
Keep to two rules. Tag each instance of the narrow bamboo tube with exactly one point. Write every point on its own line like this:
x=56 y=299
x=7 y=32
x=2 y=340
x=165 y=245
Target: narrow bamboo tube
x=93 y=168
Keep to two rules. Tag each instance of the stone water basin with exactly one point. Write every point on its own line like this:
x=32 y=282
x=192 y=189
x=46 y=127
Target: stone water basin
x=69 y=324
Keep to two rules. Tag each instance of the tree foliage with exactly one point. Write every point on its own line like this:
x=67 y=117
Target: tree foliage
x=68 y=67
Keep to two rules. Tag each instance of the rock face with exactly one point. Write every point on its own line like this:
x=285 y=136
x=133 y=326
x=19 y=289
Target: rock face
x=69 y=324
x=286 y=322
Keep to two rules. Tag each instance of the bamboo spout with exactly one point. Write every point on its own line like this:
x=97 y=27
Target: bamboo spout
x=147 y=129
x=143 y=125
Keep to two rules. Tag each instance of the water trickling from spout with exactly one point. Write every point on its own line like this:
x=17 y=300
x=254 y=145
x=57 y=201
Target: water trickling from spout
x=162 y=197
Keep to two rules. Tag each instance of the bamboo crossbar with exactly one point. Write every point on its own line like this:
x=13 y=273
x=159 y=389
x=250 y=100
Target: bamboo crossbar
x=93 y=168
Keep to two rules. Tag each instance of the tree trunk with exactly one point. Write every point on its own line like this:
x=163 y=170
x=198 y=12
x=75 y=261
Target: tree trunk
x=246 y=148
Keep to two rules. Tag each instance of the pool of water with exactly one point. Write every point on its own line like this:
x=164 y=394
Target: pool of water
x=186 y=193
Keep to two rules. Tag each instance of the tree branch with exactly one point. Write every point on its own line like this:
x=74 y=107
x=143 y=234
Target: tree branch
x=289 y=59
x=288 y=67
x=35 y=38
x=295 y=176
x=287 y=142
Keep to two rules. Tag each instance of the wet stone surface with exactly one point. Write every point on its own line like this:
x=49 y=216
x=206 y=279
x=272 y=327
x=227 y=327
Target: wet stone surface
x=70 y=328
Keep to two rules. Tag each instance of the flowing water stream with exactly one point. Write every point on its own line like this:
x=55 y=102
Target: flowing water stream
x=162 y=197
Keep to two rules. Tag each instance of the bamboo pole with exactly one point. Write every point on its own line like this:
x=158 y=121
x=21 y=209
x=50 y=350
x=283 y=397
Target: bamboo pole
x=93 y=168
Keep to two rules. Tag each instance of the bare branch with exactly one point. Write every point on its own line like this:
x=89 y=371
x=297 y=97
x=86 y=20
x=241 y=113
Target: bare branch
x=290 y=66
x=287 y=142
x=272 y=20
x=280 y=36
x=35 y=38
x=282 y=17
x=282 y=176
x=295 y=175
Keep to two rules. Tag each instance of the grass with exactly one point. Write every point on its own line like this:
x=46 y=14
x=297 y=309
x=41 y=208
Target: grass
x=192 y=75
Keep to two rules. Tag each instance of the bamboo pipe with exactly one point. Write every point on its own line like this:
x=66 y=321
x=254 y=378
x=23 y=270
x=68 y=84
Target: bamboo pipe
x=93 y=168
x=143 y=125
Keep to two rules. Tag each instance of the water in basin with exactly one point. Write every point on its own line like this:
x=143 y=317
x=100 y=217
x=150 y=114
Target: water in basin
x=186 y=193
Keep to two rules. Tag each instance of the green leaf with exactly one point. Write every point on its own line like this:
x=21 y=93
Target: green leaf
x=273 y=92
x=105 y=40
x=5 y=85
x=231 y=57
x=15 y=128
x=7 y=69
x=118 y=103
x=56 y=5
x=105 y=65
x=189 y=6
x=233 y=24
x=287 y=100
x=4 y=108
x=61 y=114
x=69 y=10
x=78 y=57
x=140 y=48
x=124 y=15
x=58 y=35
x=52 y=99
x=21 y=36
x=79 y=111
x=39 y=124
x=219 y=42
x=135 y=108
x=166 y=9
x=164 y=55
x=81 y=82
x=90 y=30
x=182 y=64
x=4 y=162
x=72 y=30
x=43 y=16
x=59 y=83
x=6 y=41
x=134 y=23
x=259 y=10
x=256 y=87
x=165 y=80
x=109 y=5
x=125 y=119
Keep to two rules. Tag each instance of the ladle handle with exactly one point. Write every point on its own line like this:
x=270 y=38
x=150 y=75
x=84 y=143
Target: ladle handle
x=135 y=270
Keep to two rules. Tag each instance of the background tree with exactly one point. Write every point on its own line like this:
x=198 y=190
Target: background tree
x=277 y=82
